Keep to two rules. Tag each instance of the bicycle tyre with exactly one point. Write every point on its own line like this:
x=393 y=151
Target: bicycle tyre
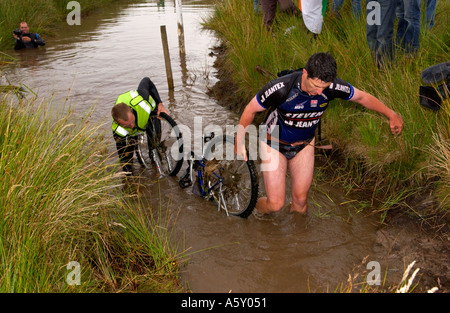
x=165 y=139
x=240 y=179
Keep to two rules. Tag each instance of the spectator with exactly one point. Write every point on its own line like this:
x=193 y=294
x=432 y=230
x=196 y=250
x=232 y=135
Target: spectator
x=380 y=30
x=269 y=8
x=356 y=7
x=24 y=39
x=257 y=6
x=431 y=12
x=408 y=28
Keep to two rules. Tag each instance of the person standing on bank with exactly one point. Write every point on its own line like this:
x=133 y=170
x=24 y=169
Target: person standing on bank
x=269 y=9
x=24 y=39
x=296 y=103
x=130 y=115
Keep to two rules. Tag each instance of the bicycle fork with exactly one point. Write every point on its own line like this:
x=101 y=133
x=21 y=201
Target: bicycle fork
x=157 y=162
x=221 y=199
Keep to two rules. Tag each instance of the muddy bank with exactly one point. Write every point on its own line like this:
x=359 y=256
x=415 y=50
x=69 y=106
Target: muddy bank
x=406 y=235
x=405 y=239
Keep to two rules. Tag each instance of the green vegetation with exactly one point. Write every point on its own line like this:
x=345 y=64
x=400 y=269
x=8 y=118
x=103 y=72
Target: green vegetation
x=396 y=169
x=41 y=15
x=61 y=202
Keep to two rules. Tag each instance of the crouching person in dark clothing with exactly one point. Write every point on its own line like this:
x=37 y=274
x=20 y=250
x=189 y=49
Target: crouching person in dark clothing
x=130 y=115
x=25 y=39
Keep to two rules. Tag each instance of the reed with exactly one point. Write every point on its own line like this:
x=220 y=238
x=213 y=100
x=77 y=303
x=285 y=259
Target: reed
x=61 y=202
x=389 y=164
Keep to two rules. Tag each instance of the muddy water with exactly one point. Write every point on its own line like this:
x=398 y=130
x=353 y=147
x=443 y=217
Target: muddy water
x=108 y=54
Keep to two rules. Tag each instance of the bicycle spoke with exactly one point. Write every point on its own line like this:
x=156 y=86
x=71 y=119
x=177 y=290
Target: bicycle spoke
x=160 y=140
x=232 y=183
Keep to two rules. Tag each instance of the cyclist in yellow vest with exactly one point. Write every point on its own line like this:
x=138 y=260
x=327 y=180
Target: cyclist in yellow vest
x=130 y=116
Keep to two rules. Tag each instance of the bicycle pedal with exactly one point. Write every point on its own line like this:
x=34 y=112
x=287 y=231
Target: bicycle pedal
x=185 y=182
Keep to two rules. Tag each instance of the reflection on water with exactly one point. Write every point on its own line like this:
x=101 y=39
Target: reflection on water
x=108 y=54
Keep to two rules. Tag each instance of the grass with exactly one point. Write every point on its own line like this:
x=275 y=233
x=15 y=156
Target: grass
x=368 y=278
x=370 y=157
x=61 y=202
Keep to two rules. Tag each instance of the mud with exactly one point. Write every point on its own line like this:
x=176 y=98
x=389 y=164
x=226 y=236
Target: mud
x=407 y=238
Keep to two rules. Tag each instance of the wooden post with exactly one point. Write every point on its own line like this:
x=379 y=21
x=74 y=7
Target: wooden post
x=167 y=57
x=180 y=27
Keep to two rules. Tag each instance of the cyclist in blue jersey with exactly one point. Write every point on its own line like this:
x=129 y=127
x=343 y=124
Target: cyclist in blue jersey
x=296 y=103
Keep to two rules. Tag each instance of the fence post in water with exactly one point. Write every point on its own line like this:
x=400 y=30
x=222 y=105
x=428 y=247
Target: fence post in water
x=180 y=27
x=167 y=56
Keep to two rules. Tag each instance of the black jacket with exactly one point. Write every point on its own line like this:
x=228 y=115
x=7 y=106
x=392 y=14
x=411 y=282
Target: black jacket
x=36 y=41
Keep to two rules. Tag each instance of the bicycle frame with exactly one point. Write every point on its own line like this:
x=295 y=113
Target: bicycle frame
x=208 y=192
x=198 y=165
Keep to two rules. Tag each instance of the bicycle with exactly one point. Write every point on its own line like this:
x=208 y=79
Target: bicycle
x=231 y=183
x=164 y=145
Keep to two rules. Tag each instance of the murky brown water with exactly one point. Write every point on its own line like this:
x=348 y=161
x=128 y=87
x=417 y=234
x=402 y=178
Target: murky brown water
x=108 y=54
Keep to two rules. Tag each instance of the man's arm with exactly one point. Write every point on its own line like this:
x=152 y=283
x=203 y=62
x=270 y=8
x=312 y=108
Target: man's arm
x=372 y=103
x=148 y=89
x=38 y=40
x=18 y=44
x=247 y=118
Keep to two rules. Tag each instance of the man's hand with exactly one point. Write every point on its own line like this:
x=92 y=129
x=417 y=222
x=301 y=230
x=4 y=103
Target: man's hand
x=396 y=124
x=161 y=108
x=239 y=148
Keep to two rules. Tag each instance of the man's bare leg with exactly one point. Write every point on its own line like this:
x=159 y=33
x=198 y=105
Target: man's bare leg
x=301 y=169
x=274 y=166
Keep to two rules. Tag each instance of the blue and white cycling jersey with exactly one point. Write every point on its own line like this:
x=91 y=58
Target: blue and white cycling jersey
x=294 y=111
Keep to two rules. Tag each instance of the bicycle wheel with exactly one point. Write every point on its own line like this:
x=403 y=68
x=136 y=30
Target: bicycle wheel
x=164 y=145
x=232 y=183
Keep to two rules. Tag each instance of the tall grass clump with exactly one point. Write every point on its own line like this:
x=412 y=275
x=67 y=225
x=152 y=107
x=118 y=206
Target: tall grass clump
x=60 y=203
x=41 y=15
x=362 y=138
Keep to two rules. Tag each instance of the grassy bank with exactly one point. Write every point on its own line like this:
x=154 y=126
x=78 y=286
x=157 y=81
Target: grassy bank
x=62 y=209
x=41 y=15
x=394 y=169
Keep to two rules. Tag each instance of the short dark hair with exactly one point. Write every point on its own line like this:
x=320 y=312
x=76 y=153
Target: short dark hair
x=323 y=66
x=120 y=111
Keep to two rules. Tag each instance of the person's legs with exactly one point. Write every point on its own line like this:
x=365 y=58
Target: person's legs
x=336 y=6
x=257 y=6
x=386 y=31
x=372 y=31
x=301 y=169
x=125 y=149
x=356 y=8
x=286 y=6
x=402 y=24
x=269 y=8
x=431 y=12
x=275 y=165
x=380 y=29
x=408 y=29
